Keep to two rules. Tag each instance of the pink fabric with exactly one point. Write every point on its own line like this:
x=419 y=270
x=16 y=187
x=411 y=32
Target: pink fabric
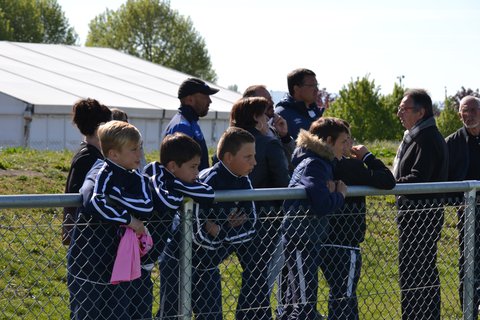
x=127 y=261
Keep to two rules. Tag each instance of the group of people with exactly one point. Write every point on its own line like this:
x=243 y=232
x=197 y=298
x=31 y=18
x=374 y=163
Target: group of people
x=287 y=242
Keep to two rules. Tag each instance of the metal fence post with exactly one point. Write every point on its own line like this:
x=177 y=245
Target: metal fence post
x=469 y=253
x=185 y=261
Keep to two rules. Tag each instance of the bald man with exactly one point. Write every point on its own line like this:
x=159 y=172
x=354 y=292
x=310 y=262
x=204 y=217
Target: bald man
x=464 y=153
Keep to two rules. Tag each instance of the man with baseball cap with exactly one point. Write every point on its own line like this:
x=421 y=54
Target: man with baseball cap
x=194 y=95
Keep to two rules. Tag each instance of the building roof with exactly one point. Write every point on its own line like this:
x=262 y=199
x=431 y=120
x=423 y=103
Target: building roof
x=51 y=75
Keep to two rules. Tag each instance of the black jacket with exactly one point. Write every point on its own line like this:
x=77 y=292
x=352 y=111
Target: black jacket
x=425 y=160
x=348 y=226
x=271 y=170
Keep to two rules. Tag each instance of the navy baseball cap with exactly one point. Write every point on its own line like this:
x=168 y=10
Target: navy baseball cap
x=194 y=85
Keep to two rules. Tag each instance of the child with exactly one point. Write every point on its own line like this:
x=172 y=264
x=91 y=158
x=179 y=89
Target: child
x=114 y=195
x=170 y=180
x=306 y=224
x=342 y=259
x=229 y=227
x=120 y=115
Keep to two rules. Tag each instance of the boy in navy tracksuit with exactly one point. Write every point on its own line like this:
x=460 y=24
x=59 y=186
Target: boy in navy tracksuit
x=341 y=256
x=306 y=223
x=114 y=195
x=174 y=178
x=228 y=227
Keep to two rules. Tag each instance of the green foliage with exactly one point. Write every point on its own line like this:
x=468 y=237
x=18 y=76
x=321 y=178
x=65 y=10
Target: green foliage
x=151 y=30
x=36 y=21
x=361 y=105
x=390 y=103
x=449 y=121
x=463 y=92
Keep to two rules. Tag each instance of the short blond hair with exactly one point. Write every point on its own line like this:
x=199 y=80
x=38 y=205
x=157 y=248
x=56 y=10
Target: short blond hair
x=116 y=134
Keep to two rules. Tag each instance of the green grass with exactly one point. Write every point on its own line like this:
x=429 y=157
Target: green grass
x=33 y=266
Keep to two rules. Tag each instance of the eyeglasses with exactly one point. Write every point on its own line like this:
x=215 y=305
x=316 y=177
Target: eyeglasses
x=312 y=85
x=402 y=110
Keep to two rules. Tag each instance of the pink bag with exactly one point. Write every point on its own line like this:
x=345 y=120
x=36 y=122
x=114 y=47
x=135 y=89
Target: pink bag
x=127 y=261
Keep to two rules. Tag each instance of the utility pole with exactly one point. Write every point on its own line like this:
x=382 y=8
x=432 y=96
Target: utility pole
x=400 y=78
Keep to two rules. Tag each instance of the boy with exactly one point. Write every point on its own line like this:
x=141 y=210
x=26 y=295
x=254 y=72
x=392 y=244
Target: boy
x=229 y=227
x=113 y=194
x=342 y=258
x=170 y=180
x=306 y=223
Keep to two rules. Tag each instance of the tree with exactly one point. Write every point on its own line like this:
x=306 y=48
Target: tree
x=390 y=103
x=233 y=87
x=455 y=99
x=360 y=104
x=37 y=21
x=151 y=30
x=449 y=121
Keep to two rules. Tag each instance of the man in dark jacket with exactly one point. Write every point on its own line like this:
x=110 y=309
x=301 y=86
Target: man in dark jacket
x=464 y=155
x=421 y=157
x=194 y=95
x=299 y=106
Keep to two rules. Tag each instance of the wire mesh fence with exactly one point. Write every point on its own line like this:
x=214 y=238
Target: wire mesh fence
x=328 y=266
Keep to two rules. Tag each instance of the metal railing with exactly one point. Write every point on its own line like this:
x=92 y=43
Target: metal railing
x=469 y=189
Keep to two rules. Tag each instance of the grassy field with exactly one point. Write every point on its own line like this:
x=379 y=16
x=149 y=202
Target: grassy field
x=32 y=258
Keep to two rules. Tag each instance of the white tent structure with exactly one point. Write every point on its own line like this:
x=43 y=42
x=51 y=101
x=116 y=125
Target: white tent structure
x=39 y=83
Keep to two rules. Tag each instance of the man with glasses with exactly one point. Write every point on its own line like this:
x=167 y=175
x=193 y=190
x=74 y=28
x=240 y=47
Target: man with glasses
x=299 y=106
x=464 y=152
x=421 y=157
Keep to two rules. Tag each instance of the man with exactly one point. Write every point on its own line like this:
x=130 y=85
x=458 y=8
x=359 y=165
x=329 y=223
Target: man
x=298 y=107
x=278 y=125
x=464 y=158
x=194 y=95
x=421 y=157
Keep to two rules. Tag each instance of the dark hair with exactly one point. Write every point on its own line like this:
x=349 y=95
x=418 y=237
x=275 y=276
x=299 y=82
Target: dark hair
x=328 y=127
x=88 y=114
x=119 y=115
x=244 y=111
x=178 y=147
x=296 y=78
x=232 y=141
x=252 y=90
x=421 y=100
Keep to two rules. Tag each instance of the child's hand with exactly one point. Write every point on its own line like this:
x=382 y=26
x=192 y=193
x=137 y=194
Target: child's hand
x=212 y=228
x=137 y=226
x=331 y=185
x=341 y=187
x=359 y=151
x=236 y=218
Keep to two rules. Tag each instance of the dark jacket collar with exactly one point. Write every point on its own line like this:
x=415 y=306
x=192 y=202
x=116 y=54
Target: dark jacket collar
x=289 y=102
x=188 y=112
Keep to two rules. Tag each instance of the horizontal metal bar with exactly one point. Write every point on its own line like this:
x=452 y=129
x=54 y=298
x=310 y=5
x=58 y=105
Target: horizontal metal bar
x=41 y=200
x=74 y=200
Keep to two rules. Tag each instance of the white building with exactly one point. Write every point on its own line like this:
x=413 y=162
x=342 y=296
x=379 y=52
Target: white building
x=39 y=83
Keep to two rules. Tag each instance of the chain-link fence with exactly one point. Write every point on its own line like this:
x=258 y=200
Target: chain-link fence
x=376 y=256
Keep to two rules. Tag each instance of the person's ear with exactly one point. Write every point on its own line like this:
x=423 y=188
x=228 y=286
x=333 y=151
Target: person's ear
x=112 y=154
x=422 y=112
x=227 y=157
x=172 y=166
x=330 y=141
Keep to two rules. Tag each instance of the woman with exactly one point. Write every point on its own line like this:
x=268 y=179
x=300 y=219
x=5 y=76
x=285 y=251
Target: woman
x=88 y=114
x=271 y=171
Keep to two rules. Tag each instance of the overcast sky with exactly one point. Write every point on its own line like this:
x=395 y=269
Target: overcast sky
x=433 y=44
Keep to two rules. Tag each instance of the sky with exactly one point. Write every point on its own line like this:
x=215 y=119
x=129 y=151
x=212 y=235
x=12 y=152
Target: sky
x=430 y=44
